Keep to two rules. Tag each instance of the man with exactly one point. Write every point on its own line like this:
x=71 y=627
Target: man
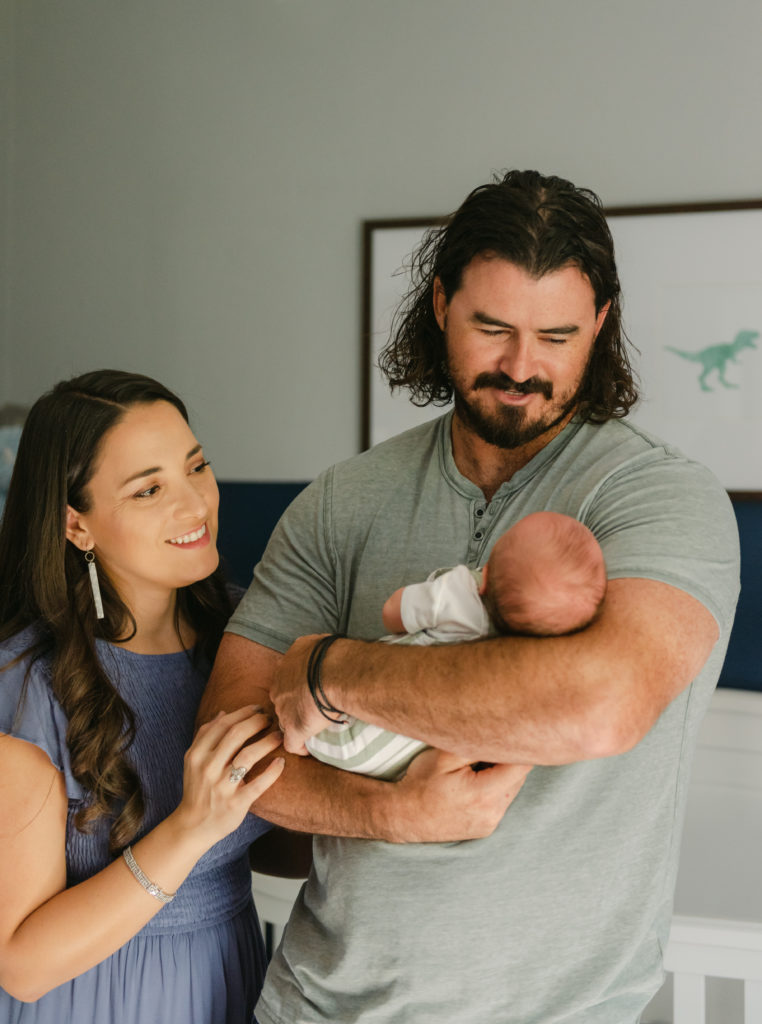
x=562 y=912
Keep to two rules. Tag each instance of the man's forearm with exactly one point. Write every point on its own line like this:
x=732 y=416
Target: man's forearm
x=475 y=700
x=533 y=700
x=311 y=797
x=438 y=800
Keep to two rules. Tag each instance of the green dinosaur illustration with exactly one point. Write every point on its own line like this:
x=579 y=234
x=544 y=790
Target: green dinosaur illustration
x=716 y=357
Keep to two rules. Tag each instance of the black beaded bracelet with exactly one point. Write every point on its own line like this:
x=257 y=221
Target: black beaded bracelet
x=317 y=654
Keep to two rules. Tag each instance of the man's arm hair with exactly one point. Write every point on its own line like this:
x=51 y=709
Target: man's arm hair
x=550 y=700
x=440 y=798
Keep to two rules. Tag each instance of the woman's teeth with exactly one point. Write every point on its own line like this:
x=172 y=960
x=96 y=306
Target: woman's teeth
x=188 y=538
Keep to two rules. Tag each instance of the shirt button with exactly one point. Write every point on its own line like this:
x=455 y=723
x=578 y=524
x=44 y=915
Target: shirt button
x=480 y=512
x=478 y=535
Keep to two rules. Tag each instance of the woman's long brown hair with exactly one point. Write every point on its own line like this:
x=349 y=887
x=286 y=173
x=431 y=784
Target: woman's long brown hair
x=44 y=582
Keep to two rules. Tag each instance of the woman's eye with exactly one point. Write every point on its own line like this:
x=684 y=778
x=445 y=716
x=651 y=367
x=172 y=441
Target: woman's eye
x=201 y=466
x=148 y=492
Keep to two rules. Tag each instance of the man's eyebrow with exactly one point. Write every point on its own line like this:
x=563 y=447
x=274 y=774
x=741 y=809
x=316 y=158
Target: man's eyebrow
x=565 y=329
x=491 y=321
x=157 y=469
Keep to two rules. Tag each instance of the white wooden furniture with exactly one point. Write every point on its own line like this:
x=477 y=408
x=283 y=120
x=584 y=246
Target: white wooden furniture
x=702 y=948
x=274 y=898
x=717 y=928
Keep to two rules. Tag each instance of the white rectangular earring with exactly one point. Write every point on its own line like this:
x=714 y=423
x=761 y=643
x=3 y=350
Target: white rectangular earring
x=94 y=585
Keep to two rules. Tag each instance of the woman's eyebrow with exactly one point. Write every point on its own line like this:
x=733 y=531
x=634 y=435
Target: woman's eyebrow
x=157 y=469
x=141 y=473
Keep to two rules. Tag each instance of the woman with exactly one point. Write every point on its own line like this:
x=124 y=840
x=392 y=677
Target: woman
x=124 y=883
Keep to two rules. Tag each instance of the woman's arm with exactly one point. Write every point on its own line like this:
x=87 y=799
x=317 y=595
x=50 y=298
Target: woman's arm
x=50 y=934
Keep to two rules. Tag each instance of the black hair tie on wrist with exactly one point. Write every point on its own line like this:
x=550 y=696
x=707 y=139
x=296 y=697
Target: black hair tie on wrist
x=314 y=665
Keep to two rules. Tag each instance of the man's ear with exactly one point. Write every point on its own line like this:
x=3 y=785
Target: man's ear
x=599 y=320
x=76 y=531
x=440 y=304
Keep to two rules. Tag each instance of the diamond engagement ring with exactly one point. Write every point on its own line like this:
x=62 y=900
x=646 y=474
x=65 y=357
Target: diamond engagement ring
x=236 y=774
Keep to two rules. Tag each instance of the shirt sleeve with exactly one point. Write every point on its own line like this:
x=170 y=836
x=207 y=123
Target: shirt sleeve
x=671 y=521
x=295 y=586
x=29 y=711
x=449 y=604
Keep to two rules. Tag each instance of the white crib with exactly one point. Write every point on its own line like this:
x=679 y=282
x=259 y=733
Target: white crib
x=274 y=898
x=714 y=954
x=715 y=948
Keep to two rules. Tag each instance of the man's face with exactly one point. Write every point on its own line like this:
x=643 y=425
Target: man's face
x=517 y=348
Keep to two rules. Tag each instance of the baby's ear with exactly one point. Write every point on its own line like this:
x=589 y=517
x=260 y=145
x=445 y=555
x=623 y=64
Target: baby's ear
x=483 y=587
x=76 y=531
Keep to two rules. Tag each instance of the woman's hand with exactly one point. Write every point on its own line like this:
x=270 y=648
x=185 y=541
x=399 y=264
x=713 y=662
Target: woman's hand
x=216 y=796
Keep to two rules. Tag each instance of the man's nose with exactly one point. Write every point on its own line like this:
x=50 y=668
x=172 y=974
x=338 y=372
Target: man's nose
x=517 y=360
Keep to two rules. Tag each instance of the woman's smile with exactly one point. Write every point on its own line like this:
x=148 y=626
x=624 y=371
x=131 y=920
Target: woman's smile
x=152 y=480
x=196 y=538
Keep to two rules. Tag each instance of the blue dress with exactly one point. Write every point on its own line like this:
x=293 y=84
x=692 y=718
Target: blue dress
x=201 y=959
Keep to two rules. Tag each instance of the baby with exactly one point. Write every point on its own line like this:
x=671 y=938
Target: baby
x=545 y=577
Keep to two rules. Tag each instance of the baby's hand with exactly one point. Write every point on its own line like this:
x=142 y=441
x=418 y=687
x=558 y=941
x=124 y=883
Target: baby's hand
x=392 y=613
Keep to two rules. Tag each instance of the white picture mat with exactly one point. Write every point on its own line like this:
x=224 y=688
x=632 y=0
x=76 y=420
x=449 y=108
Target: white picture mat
x=689 y=280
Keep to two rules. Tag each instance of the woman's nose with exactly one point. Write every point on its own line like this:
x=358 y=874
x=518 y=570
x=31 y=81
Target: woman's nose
x=192 y=503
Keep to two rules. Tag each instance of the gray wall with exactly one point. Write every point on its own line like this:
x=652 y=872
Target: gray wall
x=185 y=180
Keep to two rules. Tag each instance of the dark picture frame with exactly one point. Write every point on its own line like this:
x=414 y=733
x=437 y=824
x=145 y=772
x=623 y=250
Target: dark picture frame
x=691 y=273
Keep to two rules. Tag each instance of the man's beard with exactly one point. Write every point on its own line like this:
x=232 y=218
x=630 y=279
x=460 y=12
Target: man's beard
x=507 y=426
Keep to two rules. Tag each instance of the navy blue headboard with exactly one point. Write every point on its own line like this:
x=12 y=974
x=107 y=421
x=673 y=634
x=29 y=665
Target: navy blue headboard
x=743 y=664
x=249 y=511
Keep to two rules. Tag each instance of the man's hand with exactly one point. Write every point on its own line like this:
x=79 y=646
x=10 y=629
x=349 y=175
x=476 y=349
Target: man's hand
x=296 y=711
x=440 y=799
x=441 y=791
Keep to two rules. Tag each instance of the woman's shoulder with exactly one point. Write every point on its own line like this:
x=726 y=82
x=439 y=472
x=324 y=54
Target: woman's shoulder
x=29 y=709
x=24 y=672
x=22 y=654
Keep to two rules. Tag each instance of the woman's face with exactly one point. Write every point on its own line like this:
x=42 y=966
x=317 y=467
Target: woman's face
x=152 y=521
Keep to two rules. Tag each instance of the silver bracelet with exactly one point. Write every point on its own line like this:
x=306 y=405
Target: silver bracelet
x=145 y=881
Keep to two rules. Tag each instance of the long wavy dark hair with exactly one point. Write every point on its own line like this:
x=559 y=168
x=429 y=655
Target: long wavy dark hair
x=44 y=581
x=540 y=224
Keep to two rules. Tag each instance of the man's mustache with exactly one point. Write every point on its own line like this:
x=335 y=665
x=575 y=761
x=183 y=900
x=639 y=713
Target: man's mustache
x=504 y=382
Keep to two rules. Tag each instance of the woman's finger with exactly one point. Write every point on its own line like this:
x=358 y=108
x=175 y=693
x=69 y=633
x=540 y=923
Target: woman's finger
x=245 y=758
x=238 y=736
x=213 y=732
x=263 y=780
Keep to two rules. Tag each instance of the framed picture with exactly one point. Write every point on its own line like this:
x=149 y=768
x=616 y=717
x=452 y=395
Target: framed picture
x=692 y=286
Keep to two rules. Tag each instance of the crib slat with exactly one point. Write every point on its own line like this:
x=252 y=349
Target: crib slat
x=752 y=1002
x=689 y=999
